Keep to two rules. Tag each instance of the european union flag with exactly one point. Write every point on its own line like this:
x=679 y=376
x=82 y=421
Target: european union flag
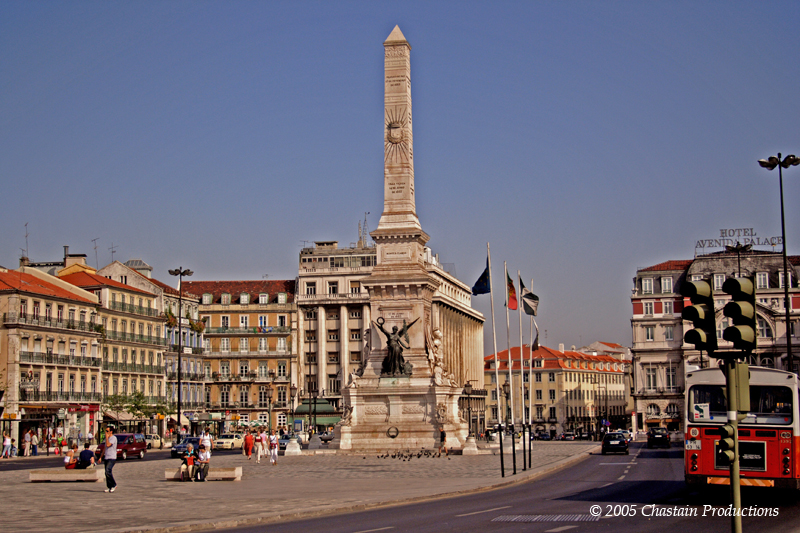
x=483 y=285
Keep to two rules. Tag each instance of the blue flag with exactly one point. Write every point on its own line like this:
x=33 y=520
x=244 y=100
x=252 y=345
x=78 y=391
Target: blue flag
x=483 y=285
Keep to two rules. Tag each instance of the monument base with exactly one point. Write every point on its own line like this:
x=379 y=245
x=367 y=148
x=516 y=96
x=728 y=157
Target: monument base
x=400 y=413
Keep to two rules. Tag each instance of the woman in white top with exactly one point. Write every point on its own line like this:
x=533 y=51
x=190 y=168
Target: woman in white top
x=203 y=460
x=6 y=446
x=273 y=447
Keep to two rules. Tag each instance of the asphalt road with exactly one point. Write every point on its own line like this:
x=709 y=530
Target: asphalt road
x=632 y=492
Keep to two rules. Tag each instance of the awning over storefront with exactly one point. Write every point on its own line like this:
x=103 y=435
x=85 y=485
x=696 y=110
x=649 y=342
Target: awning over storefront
x=119 y=417
x=326 y=420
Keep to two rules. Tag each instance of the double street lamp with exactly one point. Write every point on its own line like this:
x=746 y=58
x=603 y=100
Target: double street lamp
x=292 y=394
x=180 y=272
x=770 y=164
x=468 y=393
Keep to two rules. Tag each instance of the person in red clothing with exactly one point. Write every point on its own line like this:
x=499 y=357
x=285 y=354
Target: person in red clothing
x=248 y=445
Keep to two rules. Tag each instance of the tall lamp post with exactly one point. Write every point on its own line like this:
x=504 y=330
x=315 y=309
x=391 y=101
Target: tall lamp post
x=510 y=423
x=770 y=164
x=180 y=272
x=292 y=394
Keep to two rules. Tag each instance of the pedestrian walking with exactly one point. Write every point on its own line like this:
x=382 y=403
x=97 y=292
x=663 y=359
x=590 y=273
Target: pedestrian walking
x=35 y=444
x=273 y=448
x=110 y=459
x=443 y=441
x=259 y=444
x=248 y=445
x=89 y=437
x=207 y=440
x=26 y=443
x=6 y=446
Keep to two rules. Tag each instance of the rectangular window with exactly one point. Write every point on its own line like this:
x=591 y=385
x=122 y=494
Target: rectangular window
x=668 y=333
x=355 y=314
x=671 y=378
x=333 y=384
x=311 y=315
x=262 y=321
x=281 y=369
x=648 y=308
x=649 y=333
x=226 y=299
x=762 y=280
x=552 y=412
x=262 y=345
x=538 y=393
x=355 y=287
x=243 y=344
x=719 y=279
x=311 y=336
x=281 y=321
x=281 y=297
x=282 y=344
x=225 y=368
x=538 y=378
x=224 y=345
x=552 y=395
x=669 y=309
x=355 y=357
x=225 y=321
x=243 y=321
x=244 y=367
x=263 y=299
x=780 y=279
x=666 y=285
x=333 y=287
x=244 y=299
x=551 y=377
x=333 y=357
x=647 y=285
x=650 y=379
x=207 y=299
x=355 y=335
x=311 y=287
x=333 y=334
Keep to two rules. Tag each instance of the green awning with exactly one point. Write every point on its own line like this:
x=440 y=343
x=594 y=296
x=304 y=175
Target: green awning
x=326 y=420
x=322 y=407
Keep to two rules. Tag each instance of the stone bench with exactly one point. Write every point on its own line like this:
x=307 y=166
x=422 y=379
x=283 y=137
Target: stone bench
x=214 y=473
x=62 y=474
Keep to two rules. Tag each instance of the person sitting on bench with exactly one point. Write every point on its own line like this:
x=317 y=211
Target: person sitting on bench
x=86 y=458
x=203 y=460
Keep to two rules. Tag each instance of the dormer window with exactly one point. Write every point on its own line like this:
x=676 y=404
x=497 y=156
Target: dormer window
x=244 y=298
x=226 y=299
x=263 y=298
x=207 y=299
x=281 y=297
x=647 y=285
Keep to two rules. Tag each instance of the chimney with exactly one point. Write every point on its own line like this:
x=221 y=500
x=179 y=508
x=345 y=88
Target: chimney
x=561 y=347
x=24 y=261
x=66 y=253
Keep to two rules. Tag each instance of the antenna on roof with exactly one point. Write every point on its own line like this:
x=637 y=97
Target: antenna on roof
x=113 y=250
x=26 y=240
x=96 y=262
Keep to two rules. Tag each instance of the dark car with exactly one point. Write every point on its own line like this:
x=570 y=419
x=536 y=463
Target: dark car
x=284 y=440
x=543 y=436
x=658 y=437
x=128 y=445
x=614 y=443
x=179 y=450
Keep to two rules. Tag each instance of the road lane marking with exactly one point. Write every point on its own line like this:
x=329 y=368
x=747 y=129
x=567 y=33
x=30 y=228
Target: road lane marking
x=618 y=463
x=371 y=530
x=606 y=485
x=562 y=528
x=620 y=478
x=485 y=511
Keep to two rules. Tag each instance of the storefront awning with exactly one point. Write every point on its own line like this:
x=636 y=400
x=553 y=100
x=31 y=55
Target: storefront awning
x=326 y=420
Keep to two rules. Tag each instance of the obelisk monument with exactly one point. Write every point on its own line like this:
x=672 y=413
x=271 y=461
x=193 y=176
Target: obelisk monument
x=391 y=405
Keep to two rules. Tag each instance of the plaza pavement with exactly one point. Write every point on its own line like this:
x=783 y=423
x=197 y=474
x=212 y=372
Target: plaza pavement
x=299 y=486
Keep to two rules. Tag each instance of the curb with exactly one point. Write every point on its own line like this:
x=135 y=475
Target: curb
x=521 y=477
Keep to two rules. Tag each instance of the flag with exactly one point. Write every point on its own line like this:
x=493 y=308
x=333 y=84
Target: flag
x=512 y=293
x=483 y=285
x=530 y=302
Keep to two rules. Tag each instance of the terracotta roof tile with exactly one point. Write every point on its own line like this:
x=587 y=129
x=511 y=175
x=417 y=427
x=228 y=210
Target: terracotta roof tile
x=236 y=288
x=18 y=281
x=551 y=358
x=86 y=280
x=681 y=264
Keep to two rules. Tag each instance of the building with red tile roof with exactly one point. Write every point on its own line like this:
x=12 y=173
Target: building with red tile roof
x=563 y=390
x=49 y=352
x=660 y=356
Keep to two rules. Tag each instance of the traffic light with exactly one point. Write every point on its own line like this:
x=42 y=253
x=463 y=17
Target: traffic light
x=742 y=311
x=727 y=443
x=701 y=314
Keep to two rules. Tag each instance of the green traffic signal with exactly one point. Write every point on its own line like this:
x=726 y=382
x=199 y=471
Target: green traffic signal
x=742 y=312
x=701 y=314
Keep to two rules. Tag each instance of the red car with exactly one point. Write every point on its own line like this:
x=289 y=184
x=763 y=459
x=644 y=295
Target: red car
x=128 y=445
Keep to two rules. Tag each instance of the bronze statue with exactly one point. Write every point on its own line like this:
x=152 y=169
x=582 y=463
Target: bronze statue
x=393 y=363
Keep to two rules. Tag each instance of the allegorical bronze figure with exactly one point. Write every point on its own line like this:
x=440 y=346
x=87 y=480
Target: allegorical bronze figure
x=394 y=364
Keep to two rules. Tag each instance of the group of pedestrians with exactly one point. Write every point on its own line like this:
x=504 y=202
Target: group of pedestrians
x=263 y=445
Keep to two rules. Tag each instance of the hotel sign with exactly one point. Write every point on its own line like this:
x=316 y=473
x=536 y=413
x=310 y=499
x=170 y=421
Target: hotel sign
x=732 y=237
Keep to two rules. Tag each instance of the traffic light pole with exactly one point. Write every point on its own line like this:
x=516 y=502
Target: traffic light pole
x=733 y=420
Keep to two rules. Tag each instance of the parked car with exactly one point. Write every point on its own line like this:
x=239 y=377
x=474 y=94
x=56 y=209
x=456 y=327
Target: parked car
x=658 y=437
x=179 y=450
x=585 y=436
x=229 y=441
x=128 y=445
x=284 y=440
x=614 y=443
x=542 y=435
x=154 y=441
x=569 y=435
x=326 y=437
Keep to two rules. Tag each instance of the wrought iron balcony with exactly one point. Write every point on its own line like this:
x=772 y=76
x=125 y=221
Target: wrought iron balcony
x=135 y=309
x=78 y=325
x=58 y=359
x=49 y=396
x=260 y=330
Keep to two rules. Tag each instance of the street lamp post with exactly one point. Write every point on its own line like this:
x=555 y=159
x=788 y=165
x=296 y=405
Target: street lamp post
x=292 y=394
x=770 y=164
x=180 y=272
x=510 y=423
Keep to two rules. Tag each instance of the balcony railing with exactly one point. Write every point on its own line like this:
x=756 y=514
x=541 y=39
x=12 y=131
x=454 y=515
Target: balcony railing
x=131 y=367
x=49 y=396
x=259 y=330
x=132 y=337
x=186 y=376
x=198 y=350
x=78 y=325
x=135 y=309
x=58 y=359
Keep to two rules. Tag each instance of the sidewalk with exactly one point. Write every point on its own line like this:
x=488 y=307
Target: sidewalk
x=299 y=486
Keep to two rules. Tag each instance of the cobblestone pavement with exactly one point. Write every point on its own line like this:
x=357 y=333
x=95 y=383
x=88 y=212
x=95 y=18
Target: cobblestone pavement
x=298 y=485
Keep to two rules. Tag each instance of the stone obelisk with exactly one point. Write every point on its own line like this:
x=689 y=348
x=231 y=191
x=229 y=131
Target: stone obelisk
x=399 y=410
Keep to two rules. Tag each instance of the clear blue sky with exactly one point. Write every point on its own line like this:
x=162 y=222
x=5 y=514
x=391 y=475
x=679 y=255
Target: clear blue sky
x=582 y=139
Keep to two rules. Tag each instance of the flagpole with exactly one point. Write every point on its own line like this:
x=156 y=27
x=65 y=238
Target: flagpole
x=530 y=389
x=521 y=369
x=496 y=369
x=510 y=372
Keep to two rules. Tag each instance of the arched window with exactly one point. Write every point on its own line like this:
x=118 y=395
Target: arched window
x=653 y=410
x=673 y=411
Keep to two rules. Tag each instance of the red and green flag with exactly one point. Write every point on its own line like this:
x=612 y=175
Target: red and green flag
x=512 y=293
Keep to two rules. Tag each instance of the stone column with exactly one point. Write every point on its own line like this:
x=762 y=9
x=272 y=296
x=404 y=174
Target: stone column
x=344 y=345
x=322 y=348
